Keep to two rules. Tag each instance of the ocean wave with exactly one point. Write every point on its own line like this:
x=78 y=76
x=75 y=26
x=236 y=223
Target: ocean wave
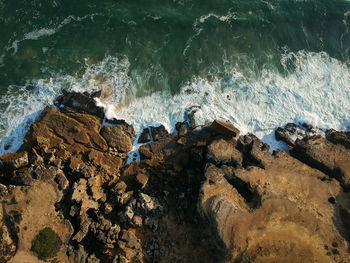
x=44 y=32
x=315 y=90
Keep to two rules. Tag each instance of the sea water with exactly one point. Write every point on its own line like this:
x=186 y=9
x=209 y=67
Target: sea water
x=258 y=64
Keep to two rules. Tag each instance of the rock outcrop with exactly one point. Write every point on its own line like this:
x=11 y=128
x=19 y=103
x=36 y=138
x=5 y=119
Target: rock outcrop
x=197 y=195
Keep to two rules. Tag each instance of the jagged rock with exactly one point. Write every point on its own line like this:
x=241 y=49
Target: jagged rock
x=85 y=223
x=105 y=232
x=93 y=259
x=120 y=259
x=253 y=150
x=46 y=172
x=80 y=103
x=190 y=115
x=22 y=176
x=158 y=132
x=145 y=152
x=137 y=221
x=108 y=208
x=3 y=191
x=7 y=244
x=291 y=132
x=149 y=204
x=127 y=214
x=79 y=255
x=78 y=166
x=62 y=181
x=145 y=136
x=141 y=180
x=224 y=128
x=116 y=137
x=182 y=128
x=123 y=198
x=127 y=128
x=130 y=240
x=81 y=196
x=337 y=137
x=14 y=160
x=223 y=152
x=35 y=158
x=95 y=188
x=320 y=153
x=120 y=187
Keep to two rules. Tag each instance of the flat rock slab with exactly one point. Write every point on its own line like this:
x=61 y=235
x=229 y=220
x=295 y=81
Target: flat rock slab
x=74 y=130
x=225 y=128
x=116 y=137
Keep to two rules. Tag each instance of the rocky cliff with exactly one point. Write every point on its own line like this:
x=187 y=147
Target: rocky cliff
x=197 y=195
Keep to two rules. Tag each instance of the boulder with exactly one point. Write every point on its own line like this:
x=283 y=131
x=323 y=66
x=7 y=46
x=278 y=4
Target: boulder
x=190 y=115
x=145 y=136
x=141 y=180
x=224 y=128
x=182 y=128
x=80 y=103
x=158 y=132
x=130 y=240
x=291 y=132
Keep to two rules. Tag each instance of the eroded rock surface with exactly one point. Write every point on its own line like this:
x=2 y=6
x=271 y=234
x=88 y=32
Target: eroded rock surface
x=197 y=195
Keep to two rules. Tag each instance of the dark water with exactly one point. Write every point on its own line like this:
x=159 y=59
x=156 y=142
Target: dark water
x=162 y=44
x=166 y=42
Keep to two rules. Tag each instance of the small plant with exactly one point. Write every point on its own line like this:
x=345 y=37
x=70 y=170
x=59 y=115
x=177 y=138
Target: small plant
x=46 y=244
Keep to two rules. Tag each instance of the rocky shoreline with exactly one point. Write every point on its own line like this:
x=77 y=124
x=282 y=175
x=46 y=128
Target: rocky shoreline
x=197 y=195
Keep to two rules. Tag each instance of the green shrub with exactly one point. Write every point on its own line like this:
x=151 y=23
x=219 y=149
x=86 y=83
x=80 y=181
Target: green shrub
x=46 y=244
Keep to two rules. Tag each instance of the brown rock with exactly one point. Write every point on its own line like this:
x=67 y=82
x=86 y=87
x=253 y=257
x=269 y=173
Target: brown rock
x=320 y=153
x=291 y=132
x=15 y=160
x=223 y=152
x=130 y=240
x=285 y=206
x=141 y=179
x=224 y=128
x=182 y=128
x=80 y=103
x=7 y=244
x=158 y=132
x=74 y=131
x=336 y=137
x=145 y=136
x=117 y=138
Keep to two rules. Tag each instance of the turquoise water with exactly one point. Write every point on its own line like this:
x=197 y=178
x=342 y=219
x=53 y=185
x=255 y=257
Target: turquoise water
x=265 y=55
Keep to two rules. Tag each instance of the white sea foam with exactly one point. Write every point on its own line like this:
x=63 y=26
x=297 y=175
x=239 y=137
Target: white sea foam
x=44 y=32
x=316 y=91
x=198 y=25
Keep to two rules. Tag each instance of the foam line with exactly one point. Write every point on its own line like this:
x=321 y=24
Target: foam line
x=317 y=91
